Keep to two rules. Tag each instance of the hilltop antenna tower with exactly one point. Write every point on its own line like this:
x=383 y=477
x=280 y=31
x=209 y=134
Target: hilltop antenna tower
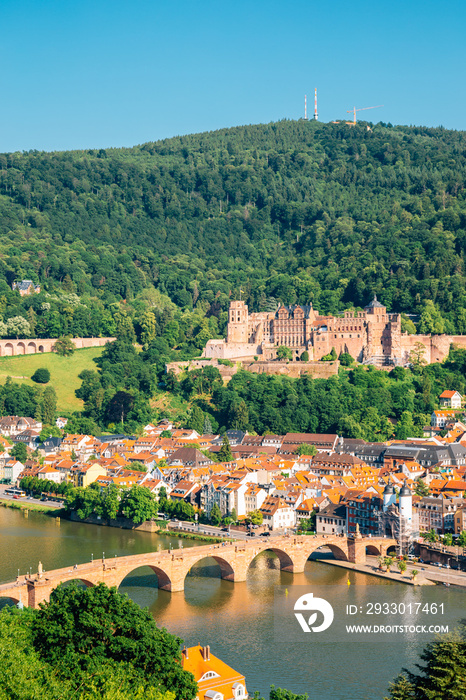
x=305 y=107
x=315 y=105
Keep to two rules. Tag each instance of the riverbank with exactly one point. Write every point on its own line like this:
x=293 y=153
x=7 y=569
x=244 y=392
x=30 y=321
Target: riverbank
x=374 y=571
x=190 y=536
x=55 y=511
x=152 y=526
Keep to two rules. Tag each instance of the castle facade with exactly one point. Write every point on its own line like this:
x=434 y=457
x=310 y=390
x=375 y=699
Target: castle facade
x=371 y=336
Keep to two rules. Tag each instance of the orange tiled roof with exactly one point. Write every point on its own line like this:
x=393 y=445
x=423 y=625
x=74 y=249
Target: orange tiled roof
x=203 y=665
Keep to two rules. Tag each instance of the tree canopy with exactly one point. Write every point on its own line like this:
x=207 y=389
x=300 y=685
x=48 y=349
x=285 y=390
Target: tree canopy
x=93 y=641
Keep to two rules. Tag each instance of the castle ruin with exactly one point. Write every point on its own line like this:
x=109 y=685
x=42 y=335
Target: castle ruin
x=371 y=336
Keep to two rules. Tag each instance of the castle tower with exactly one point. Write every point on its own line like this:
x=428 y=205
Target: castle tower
x=238 y=316
x=406 y=505
x=389 y=497
x=378 y=339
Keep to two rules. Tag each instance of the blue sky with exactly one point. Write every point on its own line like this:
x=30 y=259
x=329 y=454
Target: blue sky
x=88 y=74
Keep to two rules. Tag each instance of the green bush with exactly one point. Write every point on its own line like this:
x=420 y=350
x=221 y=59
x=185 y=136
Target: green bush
x=41 y=375
x=226 y=363
x=346 y=360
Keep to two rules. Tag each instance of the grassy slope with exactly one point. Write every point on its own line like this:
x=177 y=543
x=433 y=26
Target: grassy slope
x=64 y=373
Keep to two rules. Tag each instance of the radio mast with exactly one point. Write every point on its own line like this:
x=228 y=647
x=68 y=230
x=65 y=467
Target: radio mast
x=315 y=105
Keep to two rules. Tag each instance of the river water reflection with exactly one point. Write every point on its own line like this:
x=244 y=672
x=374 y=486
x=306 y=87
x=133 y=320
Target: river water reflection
x=236 y=619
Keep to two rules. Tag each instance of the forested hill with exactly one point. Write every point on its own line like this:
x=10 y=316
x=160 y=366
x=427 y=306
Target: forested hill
x=298 y=211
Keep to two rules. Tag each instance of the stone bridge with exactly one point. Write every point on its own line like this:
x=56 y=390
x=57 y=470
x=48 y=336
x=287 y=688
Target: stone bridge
x=31 y=346
x=172 y=566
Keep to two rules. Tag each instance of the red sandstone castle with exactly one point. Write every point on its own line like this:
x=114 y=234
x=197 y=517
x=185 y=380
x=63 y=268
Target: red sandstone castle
x=372 y=335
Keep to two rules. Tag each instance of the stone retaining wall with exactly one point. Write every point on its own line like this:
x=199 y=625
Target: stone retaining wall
x=31 y=346
x=319 y=370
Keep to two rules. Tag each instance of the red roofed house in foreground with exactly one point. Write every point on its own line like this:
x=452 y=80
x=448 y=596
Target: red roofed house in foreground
x=216 y=680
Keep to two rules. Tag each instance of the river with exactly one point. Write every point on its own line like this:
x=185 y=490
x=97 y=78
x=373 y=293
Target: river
x=250 y=625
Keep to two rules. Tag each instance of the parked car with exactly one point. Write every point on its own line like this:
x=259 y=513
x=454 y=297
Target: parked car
x=264 y=534
x=250 y=534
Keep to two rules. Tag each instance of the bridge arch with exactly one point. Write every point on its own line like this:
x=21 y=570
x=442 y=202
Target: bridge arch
x=226 y=570
x=31 y=348
x=8 y=350
x=372 y=550
x=41 y=348
x=336 y=550
x=77 y=579
x=286 y=562
x=163 y=579
x=8 y=600
x=20 y=348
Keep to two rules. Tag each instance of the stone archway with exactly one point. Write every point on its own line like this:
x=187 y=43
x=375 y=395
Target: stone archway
x=77 y=579
x=337 y=551
x=20 y=348
x=286 y=562
x=8 y=600
x=163 y=580
x=227 y=572
x=31 y=348
x=372 y=550
x=41 y=348
x=8 y=350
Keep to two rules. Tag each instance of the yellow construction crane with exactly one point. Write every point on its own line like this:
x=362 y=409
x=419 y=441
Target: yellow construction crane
x=359 y=109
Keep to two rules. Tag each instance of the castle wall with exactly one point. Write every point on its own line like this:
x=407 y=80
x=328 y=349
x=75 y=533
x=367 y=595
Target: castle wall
x=221 y=350
x=31 y=346
x=436 y=347
x=324 y=342
x=318 y=370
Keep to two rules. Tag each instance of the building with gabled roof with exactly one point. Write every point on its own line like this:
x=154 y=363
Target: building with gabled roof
x=26 y=287
x=188 y=456
x=450 y=399
x=439 y=419
x=306 y=509
x=322 y=442
x=12 y=469
x=215 y=679
x=331 y=520
x=84 y=474
x=277 y=515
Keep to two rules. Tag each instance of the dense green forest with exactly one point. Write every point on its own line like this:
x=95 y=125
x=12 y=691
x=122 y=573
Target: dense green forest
x=293 y=211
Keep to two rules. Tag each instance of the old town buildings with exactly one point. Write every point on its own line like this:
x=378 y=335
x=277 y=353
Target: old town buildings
x=341 y=488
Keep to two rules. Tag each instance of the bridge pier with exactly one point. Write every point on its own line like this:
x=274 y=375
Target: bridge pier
x=357 y=550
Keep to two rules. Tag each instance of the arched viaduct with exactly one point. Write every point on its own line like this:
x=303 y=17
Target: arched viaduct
x=173 y=566
x=31 y=346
